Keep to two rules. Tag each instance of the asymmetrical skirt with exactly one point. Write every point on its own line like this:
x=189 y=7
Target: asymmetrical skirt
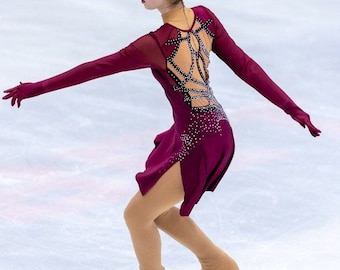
x=202 y=167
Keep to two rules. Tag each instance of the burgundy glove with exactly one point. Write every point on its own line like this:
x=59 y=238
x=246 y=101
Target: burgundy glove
x=22 y=91
x=303 y=118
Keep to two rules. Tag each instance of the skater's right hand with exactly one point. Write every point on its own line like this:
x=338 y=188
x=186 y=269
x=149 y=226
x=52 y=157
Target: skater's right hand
x=22 y=91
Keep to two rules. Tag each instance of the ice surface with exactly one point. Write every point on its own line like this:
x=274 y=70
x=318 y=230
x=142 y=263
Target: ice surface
x=68 y=158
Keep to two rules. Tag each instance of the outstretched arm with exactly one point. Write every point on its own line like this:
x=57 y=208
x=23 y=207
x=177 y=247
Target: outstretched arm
x=132 y=57
x=249 y=71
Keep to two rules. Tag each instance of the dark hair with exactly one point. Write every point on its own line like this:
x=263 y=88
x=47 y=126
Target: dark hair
x=176 y=2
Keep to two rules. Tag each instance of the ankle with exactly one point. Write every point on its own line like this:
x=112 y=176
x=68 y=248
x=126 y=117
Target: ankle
x=209 y=253
x=143 y=268
x=218 y=261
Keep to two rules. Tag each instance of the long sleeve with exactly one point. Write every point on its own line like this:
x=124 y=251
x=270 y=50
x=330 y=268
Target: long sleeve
x=142 y=53
x=247 y=69
x=135 y=56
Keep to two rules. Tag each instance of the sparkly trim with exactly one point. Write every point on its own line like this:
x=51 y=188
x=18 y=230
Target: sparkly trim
x=205 y=116
x=199 y=64
x=201 y=126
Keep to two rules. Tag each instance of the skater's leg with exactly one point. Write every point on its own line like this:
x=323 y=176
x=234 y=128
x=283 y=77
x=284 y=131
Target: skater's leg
x=185 y=231
x=143 y=210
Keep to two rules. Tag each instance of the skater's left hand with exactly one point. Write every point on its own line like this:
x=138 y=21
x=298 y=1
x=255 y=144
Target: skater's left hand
x=304 y=120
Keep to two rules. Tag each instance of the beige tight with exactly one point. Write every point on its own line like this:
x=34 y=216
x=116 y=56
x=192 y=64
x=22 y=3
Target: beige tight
x=144 y=215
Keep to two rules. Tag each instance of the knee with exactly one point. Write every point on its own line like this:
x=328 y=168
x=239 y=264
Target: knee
x=170 y=215
x=130 y=214
x=135 y=215
x=162 y=217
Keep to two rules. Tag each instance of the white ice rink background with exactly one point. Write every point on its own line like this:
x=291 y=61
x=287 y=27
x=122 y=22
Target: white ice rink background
x=68 y=158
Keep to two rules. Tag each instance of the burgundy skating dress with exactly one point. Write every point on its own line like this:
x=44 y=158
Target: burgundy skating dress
x=200 y=138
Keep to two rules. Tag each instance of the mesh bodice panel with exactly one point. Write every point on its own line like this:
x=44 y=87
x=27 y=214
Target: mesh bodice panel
x=188 y=64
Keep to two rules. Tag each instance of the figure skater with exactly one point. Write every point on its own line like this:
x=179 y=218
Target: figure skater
x=193 y=155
